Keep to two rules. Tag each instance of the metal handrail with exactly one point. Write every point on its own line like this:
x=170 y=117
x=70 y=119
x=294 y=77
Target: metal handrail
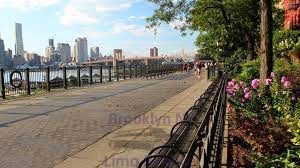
x=186 y=138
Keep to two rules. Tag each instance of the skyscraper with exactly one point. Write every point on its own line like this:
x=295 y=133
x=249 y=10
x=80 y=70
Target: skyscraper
x=51 y=42
x=65 y=51
x=81 y=50
x=2 y=48
x=19 y=47
x=153 y=52
x=2 y=53
x=94 y=52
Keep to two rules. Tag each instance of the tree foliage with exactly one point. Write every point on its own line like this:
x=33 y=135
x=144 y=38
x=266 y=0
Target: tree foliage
x=224 y=26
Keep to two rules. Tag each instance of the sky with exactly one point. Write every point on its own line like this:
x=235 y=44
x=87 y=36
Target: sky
x=108 y=24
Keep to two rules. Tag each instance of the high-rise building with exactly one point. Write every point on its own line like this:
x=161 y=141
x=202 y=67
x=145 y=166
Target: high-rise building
x=95 y=52
x=9 y=54
x=65 y=51
x=51 y=42
x=118 y=54
x=81 y=50
x=19 y=46
x=49 y=51
x=2 y=53
x=153 y=52
x=2 y=48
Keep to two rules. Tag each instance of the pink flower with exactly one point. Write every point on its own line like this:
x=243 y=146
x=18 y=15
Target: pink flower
x=273 y=75
x=255 y=83
x=247 y=96
x=284 y=79
x=230 y=92
x=242 y=84
x=243 y=100
x=231 y=83
x=287 y=84
x=260 y=94
x=293 y=98
x=236 y=87
x=268 y=81
x=246 y=90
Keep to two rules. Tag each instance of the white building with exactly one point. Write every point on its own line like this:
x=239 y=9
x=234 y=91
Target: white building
x=80 y=51
x=19 y=46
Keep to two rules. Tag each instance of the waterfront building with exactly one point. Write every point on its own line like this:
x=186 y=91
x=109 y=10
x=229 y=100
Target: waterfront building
x=80 y=50
x=65 y=50
x=19 y=46
x=154 y=52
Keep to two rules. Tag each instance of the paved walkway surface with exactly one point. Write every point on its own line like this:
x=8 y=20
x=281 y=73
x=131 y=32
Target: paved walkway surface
x=130 y=144
x=43 y=131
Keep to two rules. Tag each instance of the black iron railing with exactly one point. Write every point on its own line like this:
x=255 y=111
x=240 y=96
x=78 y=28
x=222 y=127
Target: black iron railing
x=34 y=80
x=197 y=140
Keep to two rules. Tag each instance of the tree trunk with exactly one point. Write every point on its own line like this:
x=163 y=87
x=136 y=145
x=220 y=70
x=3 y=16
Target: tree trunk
x=250 y=47
x=266 y=47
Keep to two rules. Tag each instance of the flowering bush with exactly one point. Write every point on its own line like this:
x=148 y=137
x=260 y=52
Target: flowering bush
x=284 y=41
x=268 y=115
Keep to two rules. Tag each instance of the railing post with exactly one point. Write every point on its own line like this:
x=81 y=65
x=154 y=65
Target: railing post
x=135 y=71
x=28 y=80
x=48 y=79
x=147 y=71
x=91 y=75
x=141 y=70
x=124 y=72
x=157 y=68
x=2 y=82
x=208 y=69
x=109 y=73
x=117 y=68
x=65 y=78
x=101 y=74
x=78 y=77
x=130 y=72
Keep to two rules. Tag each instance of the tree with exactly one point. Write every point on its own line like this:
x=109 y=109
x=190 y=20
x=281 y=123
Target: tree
x=266 y=34
x=224 y=25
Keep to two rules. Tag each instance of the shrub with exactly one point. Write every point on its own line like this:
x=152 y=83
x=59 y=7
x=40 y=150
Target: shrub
x=284 y=41
x=250 y=70
x=232 y=64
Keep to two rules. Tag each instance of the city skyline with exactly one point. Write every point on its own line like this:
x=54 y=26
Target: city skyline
x=116 y=27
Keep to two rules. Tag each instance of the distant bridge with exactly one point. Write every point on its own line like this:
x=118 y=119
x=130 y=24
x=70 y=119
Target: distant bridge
x=137 y=61
x=133 y=61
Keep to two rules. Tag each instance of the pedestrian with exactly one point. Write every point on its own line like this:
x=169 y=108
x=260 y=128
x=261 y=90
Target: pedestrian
x=199 y=69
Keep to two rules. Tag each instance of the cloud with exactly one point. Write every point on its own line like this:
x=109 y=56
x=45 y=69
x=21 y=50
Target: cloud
x=137 y=30
x=137 y=17
x=120 y=27
x=27 y=4
x=92 y=11
x=76 y=14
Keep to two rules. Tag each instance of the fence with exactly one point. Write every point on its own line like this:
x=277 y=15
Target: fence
x=197 y=140
x=14 y=82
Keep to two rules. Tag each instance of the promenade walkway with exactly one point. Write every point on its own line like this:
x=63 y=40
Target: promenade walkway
x=131 y=143
x=42 y=131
